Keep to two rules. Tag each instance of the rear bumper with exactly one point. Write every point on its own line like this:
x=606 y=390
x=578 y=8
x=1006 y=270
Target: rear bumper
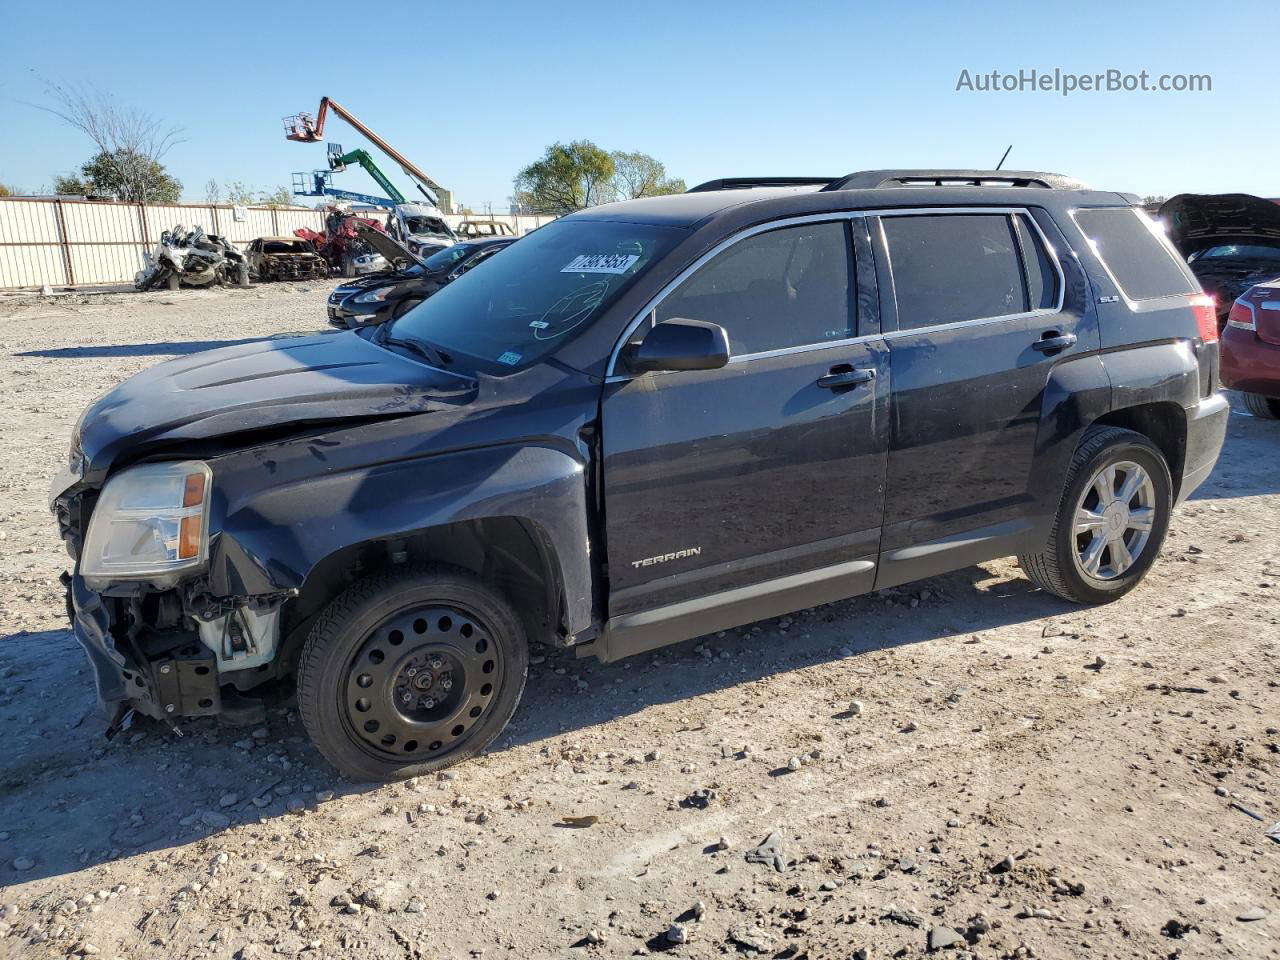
x=1206 y=430
x=1250 y=363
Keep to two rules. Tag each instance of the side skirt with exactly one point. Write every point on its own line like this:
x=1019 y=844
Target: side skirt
x=635 y=633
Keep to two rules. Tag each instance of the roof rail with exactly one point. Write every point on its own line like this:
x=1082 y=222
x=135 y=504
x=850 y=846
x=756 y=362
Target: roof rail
x=745 y=183
x=873 y=179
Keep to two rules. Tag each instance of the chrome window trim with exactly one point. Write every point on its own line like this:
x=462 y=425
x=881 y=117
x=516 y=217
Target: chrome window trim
x=657 y=298
x=1049 y=248
x=840 y=215
x=1162 y=238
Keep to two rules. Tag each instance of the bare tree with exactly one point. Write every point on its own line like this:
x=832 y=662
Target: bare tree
x=129 y=141
x=212 y=192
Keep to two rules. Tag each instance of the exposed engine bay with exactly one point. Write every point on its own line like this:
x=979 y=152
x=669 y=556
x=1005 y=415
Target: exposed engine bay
x=194 y=258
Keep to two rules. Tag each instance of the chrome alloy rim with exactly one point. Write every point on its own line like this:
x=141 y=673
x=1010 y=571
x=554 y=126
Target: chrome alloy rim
x=1114 y=519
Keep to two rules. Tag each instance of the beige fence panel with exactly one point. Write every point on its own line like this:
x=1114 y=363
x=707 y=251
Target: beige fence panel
x=65 y=242
x=31 y=251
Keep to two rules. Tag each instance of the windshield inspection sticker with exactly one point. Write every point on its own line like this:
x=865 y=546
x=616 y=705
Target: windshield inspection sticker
x=510 y=358
x=601 y=263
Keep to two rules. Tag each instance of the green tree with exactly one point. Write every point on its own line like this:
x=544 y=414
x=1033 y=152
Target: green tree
x=125 y=174
x=570 y=176
x=5 y=191
x=280 y=197
x=640 y=175
x=238 y=194
x=70 y=185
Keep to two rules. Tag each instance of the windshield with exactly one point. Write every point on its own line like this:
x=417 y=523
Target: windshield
x=541 y=291
x=443 y=259
x=1241 y=251
x=426 y=225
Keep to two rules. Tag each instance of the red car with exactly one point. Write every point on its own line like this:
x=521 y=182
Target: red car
x=1251 y=349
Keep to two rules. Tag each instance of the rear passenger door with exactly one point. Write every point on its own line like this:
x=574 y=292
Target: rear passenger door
x=971 y=301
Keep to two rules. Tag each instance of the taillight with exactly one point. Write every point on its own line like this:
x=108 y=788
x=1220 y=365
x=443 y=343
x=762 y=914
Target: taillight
x=1206 y=317
x=1241 y=316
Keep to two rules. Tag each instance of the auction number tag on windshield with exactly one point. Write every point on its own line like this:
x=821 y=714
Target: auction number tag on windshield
x=601 y=263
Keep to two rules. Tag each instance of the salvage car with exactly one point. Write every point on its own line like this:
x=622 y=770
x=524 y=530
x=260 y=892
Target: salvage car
x=1231 y=240
x=421 y=227
x=192 y=258
x=391 y=294
x=644 y=422
x=285 y=258
x=476 y=229
x=1251 y=349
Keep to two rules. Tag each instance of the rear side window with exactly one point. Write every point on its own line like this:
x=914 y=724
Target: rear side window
x=1042 y=277
x=788 y=287
x=1129 y=246
x=953 y=267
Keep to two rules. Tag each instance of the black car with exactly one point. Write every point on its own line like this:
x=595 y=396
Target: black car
x=1231 y=240
x=384 y=296
x=645 y=422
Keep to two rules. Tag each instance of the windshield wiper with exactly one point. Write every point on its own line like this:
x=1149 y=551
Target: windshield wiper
x=433 y=355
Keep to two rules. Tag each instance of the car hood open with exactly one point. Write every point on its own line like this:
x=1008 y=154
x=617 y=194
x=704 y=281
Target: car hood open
x=390 y=248
x=257 y=388
x=1197 y=221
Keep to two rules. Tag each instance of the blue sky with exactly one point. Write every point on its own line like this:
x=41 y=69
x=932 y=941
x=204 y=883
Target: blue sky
x=473 y=91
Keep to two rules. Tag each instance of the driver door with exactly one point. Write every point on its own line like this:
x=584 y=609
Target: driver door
x=757 y=488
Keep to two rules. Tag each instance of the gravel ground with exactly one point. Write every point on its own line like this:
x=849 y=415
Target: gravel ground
x=964 y=761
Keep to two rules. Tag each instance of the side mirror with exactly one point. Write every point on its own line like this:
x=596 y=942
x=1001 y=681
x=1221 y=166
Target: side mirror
x=678 y=344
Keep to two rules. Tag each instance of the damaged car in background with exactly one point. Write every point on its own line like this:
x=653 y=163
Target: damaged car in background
x=1231 y=241
x=285 y=258
x=192 y=258
x=393 y=293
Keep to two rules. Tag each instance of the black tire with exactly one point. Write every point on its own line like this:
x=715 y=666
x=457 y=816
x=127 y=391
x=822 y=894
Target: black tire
x=1058 y=568
x=353 y=665
x=404 y=306
x=348 y=267
x=1264 y=408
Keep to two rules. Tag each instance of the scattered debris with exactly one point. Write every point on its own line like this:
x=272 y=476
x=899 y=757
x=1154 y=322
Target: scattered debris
x=770 y=853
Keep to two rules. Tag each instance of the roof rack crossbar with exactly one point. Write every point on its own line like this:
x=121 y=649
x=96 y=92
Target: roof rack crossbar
x=745 y=183
x=875 y=179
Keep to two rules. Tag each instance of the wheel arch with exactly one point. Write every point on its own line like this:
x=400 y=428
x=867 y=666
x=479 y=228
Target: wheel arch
x=511 y=553
x=1164 y=423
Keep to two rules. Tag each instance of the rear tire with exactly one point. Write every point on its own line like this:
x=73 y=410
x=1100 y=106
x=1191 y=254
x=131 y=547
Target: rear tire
x=1106 y=536
x=1264 y=408
x=409 y=671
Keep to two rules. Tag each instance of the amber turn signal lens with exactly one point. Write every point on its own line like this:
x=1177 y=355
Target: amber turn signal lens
x=193 y=492
x=189 y=538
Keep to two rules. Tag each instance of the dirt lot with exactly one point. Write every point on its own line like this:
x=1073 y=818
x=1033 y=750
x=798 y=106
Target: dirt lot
x=1047 y=780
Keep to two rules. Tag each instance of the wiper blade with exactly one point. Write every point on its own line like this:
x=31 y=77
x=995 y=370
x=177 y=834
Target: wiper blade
x=433 y=355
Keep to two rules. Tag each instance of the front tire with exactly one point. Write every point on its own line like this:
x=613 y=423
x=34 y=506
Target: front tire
x=410 y=671
x=1264 y=408
x=1111 y=522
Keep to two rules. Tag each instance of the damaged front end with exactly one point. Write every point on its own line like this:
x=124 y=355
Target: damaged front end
x=160 y=642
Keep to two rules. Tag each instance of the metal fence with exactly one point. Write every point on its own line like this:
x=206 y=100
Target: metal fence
x=76 y=243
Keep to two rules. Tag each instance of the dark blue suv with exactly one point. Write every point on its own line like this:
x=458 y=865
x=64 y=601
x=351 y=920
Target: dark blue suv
x=642 y=423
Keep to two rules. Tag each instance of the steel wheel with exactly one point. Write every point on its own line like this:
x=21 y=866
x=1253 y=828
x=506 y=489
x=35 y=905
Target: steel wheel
x=1114 y=519
x=421 y=681
x=409 y=670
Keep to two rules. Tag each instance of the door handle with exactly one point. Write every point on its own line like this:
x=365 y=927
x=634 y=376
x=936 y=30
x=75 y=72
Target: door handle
x=845 y=376
x=1054 y=341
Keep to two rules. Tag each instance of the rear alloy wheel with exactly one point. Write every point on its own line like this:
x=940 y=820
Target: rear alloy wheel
x=1265 y=408
x=1111 y=522
x=411 y=671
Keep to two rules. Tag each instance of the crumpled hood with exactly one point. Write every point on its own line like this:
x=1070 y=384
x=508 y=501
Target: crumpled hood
x=1197 y=221
x=261 y=385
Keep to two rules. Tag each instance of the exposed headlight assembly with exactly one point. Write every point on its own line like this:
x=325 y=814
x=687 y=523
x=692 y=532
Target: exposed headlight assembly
x=151 y=523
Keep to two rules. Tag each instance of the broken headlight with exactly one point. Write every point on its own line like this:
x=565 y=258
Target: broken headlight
x=151 y=523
